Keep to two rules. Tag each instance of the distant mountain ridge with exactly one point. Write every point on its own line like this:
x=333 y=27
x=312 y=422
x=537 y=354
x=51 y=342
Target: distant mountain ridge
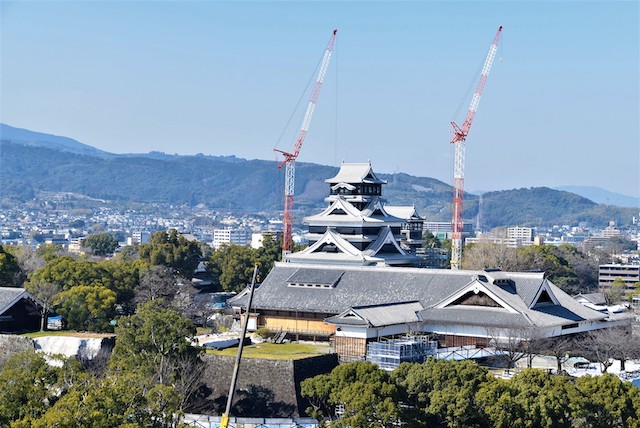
x=30 y=138
x=228 y=182
x=602 y=196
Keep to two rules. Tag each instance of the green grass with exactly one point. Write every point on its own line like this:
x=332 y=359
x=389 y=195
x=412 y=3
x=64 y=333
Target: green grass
x=73 y=333
x=273 y=351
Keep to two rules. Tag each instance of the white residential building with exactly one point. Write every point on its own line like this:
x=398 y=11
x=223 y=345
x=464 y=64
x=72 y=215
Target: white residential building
x=230 y=236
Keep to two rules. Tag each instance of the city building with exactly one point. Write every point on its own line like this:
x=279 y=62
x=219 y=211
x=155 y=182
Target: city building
x=442 y=229
x=524 y=235
x=230 y=236
x=138 y=237
x=610 y=231
x=630 y=274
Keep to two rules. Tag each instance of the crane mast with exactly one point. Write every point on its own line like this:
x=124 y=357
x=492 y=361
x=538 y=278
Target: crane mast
x=289 y=160
x=459 y=138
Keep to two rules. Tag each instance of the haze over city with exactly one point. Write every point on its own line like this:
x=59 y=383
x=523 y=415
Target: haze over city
x=561 y=105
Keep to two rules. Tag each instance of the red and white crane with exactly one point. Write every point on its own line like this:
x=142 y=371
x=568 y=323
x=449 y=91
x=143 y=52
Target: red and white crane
x=459 y=137
x=290 y=158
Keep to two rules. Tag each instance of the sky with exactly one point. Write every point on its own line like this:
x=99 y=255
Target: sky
x=560 y=107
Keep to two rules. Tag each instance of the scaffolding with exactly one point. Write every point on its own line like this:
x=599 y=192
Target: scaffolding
x=389 y=354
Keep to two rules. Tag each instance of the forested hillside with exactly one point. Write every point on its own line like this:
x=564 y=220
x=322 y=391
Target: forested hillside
x=256 y=185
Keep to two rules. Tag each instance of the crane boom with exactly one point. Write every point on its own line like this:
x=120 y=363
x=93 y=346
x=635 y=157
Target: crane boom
x=289 y=160
x=459 y=138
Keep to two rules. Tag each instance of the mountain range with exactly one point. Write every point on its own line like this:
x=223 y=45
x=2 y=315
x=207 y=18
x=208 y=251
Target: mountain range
x=33 y=162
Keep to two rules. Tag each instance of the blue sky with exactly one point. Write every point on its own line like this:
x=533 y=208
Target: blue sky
x=223 y=78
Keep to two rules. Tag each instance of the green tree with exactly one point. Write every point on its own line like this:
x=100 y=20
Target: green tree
x=266 y=256
x=10 y=271
x=121 y=277
x=27 y=381
x=430 y=240
x=172 y=250
x=606 y=401
x=87 y=307
x=615 y=294
x=369 y=397
x=153 y=342
x=442 y=392
x=126 y=400
x=101 y=244
x=233 y=266
x=530 y=399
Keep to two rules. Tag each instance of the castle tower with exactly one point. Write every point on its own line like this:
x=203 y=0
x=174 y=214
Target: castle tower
x=355 y=228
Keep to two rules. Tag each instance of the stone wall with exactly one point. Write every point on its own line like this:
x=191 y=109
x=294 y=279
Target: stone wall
x=265 y=388
x=11 y=344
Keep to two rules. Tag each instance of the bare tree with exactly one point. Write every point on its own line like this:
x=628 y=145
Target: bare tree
x=159 y=282
x=183 y=299
x=561 y=348
x=485 y=255
x=512 y=342
x=45 y=292
x=188 y=374
x=602 y=346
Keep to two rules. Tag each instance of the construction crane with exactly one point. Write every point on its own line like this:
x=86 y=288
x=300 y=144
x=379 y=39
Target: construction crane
x=290 y=158
x=459 y=137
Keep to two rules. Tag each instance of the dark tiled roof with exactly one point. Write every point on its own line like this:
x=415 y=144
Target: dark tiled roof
x=315 y=276
x=378 y=316
x=366 y=286
x=482 y=316
x=8 y=295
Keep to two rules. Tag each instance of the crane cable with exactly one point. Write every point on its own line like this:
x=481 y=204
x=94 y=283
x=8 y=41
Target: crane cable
x=302 y=95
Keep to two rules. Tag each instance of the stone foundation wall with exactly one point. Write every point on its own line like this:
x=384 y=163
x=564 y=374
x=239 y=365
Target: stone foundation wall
x=265 y=388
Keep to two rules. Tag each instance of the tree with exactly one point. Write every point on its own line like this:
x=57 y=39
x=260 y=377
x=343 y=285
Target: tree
x=172 y=250
x=366 y=393
x=101 y=244
x=489 y=256
x=87 y=307
x=602 y=346
x=126 y=400
x=27 y=381
x=606 y=401
x=266 y=256
x=155 y=343
x=47 y=293
x=233 y=266
x=514 y=342
x=159 y=282
x=10 y=271
x=531 y=398
x=615 y=294
x=442 y=392
x=559 y=347
x=430 y=240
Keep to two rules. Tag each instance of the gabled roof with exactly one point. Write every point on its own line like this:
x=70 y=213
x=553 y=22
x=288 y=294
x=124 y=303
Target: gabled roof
x=330 y=237
x=364 y=286
x=378 y=315
x=375 y=209
x=355 y=173
x=407 y=212
x=340 y=210
x=384 y=237
x=10 y=295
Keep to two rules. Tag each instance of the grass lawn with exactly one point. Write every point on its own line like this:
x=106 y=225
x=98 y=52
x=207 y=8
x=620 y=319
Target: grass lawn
x=273 y=351
x=71 y=333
